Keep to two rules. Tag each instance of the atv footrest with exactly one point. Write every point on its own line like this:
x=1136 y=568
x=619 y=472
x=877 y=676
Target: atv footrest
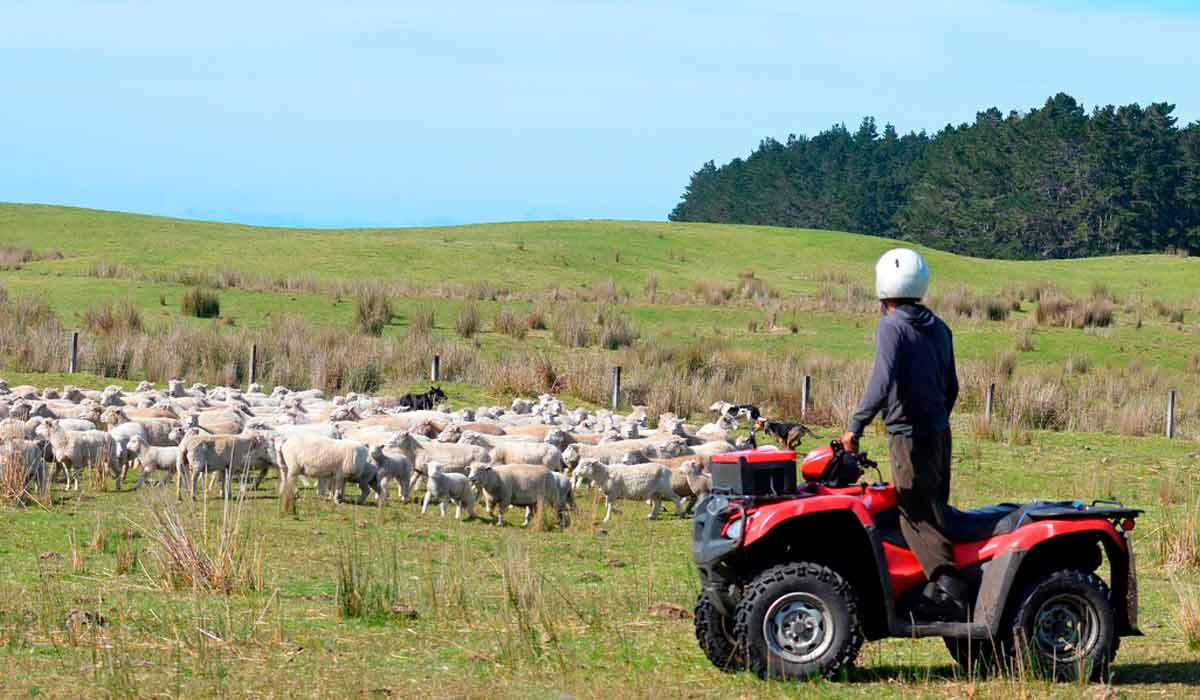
x=957 y=630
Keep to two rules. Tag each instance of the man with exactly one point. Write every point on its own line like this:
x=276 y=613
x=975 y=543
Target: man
x=914 y=384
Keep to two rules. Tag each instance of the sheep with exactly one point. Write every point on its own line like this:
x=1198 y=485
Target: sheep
x=220 y=422
x=320 y=457
x=517 y=485
x=635 y=483
x=606 y=452
x=453 y=457
x=32 y=456
x=75 y=450
x=518 y=452
x=394 y=467
x=566 y=492
x=200 y=454
x=559 y=438
x=448 y=486
x=691 y=481
x=152 y=457
x=157 y=429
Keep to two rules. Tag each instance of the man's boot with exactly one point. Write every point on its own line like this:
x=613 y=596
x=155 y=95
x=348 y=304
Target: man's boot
x=946 y=599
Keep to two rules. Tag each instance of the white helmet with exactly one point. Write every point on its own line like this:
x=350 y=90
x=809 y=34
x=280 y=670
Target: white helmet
x=901 y=274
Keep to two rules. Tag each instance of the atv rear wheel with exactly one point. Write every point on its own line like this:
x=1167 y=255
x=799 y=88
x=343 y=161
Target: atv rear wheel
x=799 y=620
x=1064 y=626
x=714 y=632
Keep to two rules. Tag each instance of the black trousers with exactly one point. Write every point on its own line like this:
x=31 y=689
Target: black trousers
x=921 y=472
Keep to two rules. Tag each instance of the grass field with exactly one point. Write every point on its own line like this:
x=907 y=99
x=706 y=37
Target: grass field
x=593 y=611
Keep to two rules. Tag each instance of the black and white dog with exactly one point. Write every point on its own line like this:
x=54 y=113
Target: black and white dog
x=423 y=402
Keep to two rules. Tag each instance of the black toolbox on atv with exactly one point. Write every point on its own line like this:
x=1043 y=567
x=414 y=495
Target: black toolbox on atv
x=754 y=472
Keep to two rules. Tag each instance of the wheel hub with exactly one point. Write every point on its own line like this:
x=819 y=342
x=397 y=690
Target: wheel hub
x=798 y=627
x=1065 y=627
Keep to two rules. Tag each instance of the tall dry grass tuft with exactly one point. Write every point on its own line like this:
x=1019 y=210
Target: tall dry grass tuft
x=368 y=584
x=510 y=323
x=468 y=322
x=1179 y=540
x=421 y=321
x=372 y=310
x=573 y=326
x=111 y=317
x=1187 y=615
x=189 y=553
x=713 y=293
x=200 y=303
x=1171 y=312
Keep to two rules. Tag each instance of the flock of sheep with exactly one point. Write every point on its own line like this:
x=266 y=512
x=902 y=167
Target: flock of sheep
x=529 y=454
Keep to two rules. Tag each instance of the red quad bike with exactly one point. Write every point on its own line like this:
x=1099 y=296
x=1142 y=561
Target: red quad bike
x=796 y=578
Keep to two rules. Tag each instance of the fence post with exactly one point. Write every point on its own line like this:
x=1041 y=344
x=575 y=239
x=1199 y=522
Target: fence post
x=253 y=361
x=616 y=387
x=805 y=393
x=991 y=397
x=435 y=368
x=1170 y=414
x=73 y=362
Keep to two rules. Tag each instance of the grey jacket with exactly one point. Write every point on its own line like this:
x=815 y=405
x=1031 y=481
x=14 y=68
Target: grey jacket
x=914 y=381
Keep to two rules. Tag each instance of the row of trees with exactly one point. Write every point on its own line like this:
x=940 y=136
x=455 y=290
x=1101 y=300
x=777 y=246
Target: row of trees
x=1053 y=182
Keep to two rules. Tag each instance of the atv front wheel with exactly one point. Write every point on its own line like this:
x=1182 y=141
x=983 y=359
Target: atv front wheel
x=714 y=632
x=797 y=621
x=1063 y=626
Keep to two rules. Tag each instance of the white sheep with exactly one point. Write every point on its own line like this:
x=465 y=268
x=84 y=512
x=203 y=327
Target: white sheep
x=517 y=452
x=151 y=457
x=75 y=451
x=452 y=457
x=200 y=453
x=525 y=485
x=320 y=457
x=392 y=467
x=448 y=487
x=639 y=482
x=31 y=455
x=690 y=480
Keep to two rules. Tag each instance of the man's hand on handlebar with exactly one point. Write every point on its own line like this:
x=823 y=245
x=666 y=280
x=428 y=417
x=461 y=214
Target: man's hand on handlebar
x=850 y=442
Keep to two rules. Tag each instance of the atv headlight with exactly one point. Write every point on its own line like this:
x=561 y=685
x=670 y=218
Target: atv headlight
x=734 y=531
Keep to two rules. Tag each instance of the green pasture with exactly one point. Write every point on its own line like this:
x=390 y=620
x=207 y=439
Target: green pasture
x=596 y=611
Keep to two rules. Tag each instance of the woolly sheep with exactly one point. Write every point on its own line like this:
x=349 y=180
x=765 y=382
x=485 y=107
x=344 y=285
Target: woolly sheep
x=152 y=457
x=518 y=485
x=222 y=455
x=506 y=452
x=75 y=451
x=392 y=467
x=320 y=457
x=639 y=482
x=691 y=481
x=449 y=487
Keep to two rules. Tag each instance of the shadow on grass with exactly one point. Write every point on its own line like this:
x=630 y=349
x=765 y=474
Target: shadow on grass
x=945 y=672
x=1158 y=673
x=1164 y=673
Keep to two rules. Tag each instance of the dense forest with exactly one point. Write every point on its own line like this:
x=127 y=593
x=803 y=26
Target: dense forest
x=1054 y=182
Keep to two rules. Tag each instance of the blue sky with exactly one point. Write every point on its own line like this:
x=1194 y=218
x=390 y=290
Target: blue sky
x=404 y=113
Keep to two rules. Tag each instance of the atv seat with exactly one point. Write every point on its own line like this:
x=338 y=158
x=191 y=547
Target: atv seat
x=962 y=526
x=979 y=524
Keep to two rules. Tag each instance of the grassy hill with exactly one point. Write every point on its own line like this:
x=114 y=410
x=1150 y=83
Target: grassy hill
x=539 y=255
x=96 y=256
